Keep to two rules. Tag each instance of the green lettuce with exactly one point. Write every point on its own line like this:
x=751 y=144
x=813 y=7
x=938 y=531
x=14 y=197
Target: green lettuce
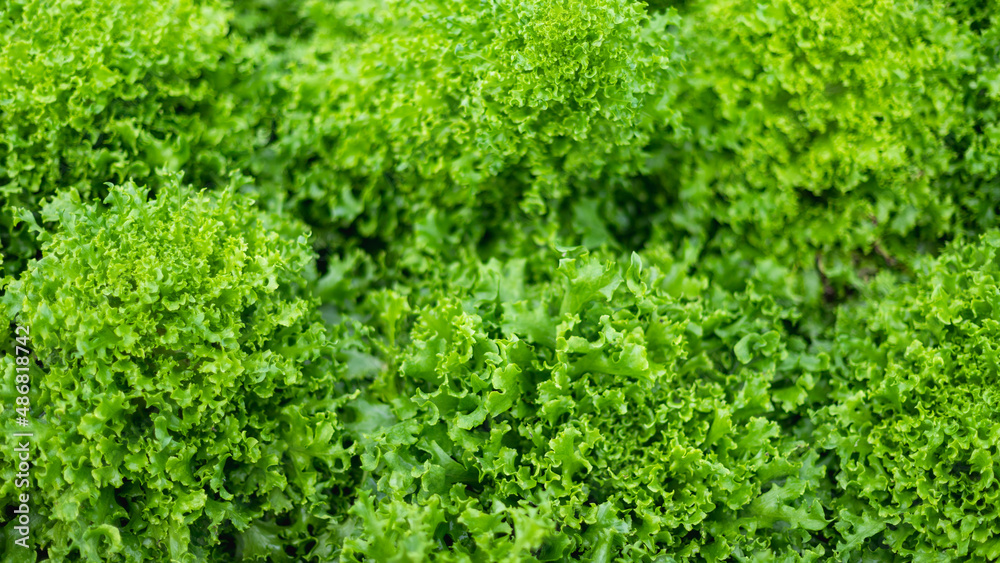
x=610 y=411
x=459 y=115
x=95 y=91
x=184 y=390
x=829 y=134
x=914 y=423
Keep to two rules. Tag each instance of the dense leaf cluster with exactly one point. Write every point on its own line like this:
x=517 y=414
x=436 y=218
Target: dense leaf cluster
x=612 y=409
x=486 y=280
x=915 y=419
x=95 y=91
x=844 y=128
x=471 y=110
x=187 y=382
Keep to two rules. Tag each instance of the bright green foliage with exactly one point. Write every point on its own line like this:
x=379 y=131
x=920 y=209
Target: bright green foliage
x=87 y=102
x=613 y=411
x=587 y=280
x=825 y=128
x=914 y=422
x=465 y=108
x=184 y=388
x=95 y=91
x=975 y=176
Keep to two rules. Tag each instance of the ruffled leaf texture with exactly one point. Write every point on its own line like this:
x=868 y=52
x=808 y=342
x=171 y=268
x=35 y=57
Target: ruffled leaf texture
x=914 y=421
x=599 y=414
x=185 y=390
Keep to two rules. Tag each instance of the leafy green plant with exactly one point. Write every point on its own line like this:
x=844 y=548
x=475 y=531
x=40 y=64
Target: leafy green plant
x=610 y=411
x=96 y=91
x=485 y=280
x=825 y=132
x=914 y=419
x=471 y=110
x=185 y=390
